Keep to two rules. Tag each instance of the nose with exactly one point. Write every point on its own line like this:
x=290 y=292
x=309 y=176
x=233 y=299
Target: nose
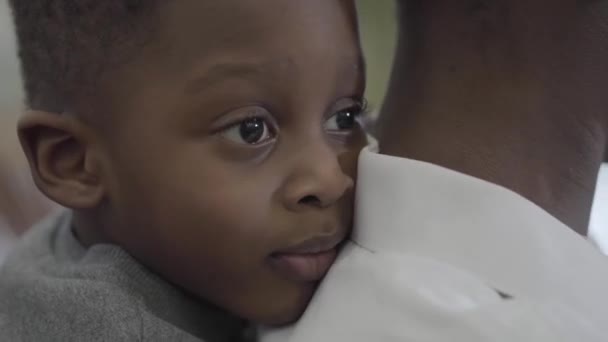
x=318 y=180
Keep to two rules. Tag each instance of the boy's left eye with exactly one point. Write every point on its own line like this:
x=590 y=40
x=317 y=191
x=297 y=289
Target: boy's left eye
x=344 y=120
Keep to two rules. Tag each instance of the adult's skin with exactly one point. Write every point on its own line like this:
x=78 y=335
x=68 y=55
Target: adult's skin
x=513 y=92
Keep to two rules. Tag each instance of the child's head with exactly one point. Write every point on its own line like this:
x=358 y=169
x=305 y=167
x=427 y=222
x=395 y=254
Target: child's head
x=214 y=140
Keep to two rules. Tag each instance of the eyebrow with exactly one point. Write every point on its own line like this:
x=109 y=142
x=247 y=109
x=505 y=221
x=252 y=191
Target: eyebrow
x=245 y=70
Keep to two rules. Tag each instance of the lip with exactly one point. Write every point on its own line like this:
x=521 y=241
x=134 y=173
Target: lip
x=308 y=261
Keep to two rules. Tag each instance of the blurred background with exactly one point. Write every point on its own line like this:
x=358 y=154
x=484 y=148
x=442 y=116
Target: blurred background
x=20 y=203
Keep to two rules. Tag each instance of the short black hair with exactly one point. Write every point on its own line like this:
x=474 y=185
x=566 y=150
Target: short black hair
x=66 y=45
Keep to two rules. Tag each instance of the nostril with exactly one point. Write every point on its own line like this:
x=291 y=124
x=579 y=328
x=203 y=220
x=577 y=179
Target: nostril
x=310 y=200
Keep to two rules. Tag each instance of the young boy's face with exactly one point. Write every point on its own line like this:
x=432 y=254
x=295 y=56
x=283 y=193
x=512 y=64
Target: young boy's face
x=233 y=146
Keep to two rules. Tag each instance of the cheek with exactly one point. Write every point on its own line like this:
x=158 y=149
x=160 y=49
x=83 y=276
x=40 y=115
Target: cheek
x=207 y=202
x=174 y=178
x=348 y=163
x=350 y=157
x=198 y=210
x=189 y=229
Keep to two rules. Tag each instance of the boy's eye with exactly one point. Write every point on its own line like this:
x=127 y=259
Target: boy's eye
x=251 y=131
x=344 y=120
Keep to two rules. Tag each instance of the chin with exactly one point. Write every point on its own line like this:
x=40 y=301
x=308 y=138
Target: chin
x=283 y=319
x=288 y=310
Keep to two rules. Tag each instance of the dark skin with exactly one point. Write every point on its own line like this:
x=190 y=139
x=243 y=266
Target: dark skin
x=222 y=142
x=507 y=91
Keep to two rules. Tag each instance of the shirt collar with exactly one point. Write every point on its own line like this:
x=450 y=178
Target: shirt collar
x=418 y=208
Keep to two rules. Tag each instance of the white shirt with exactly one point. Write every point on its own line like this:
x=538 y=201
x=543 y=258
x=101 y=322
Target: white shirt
x=437 y=255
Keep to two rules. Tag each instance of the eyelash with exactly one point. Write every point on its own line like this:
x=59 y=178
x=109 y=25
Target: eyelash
x=252 y=114
x=362 y=108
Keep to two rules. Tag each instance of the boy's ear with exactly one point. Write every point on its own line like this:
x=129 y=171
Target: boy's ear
x=62 y=158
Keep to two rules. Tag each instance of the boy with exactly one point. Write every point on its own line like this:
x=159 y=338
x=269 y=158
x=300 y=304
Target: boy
x=207 y=150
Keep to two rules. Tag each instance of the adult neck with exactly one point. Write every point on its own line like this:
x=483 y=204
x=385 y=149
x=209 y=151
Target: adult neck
x=513 y=92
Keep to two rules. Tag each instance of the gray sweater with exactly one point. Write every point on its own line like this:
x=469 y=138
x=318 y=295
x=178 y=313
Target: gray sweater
x=53 y=289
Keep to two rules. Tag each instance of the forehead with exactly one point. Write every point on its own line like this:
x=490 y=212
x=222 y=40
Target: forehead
x=195 y=28
x=197 y=43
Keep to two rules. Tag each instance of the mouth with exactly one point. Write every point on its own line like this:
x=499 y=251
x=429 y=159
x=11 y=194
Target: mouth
x=308 y=261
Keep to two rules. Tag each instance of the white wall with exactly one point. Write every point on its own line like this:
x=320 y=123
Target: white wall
x=10 y=82
x=11 y=98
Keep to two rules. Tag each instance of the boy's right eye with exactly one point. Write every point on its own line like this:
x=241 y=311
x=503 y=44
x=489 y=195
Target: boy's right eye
x=250 y=131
